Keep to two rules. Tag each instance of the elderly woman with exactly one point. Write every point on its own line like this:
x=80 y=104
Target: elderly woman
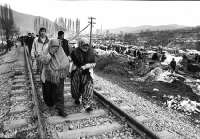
x=83 y=59
x=55 y=70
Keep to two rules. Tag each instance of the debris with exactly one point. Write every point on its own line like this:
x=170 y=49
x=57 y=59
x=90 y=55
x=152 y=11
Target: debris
x=71 y=127
x=184 y=104
x=155 y=89
x=158 y=74
x=197 y=121
x=131 y=79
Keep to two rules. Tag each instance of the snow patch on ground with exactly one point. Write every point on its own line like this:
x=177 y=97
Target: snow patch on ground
x=158 y=74
x=169 y=58
x=102 y=52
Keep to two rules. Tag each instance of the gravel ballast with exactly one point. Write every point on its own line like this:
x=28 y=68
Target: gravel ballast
x=159 y=118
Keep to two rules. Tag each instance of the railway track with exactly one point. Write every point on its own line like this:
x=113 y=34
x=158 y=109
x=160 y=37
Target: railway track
x=29 y=117
x=17 y=115
x=106 y=120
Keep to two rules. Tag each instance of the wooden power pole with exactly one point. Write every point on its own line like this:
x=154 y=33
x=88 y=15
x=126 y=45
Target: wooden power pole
x=91 y=25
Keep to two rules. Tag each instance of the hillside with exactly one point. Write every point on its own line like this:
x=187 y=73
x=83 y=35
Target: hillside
x=25 y=21
x=146 y=27
x=26 y=24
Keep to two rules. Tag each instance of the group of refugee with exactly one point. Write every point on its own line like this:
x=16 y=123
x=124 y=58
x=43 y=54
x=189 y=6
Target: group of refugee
x=55 y=63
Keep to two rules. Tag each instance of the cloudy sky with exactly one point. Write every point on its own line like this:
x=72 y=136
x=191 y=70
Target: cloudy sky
x=112 y=14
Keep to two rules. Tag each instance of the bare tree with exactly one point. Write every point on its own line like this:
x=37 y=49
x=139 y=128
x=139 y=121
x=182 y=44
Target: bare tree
x=7 y=21
x=65 y=23
x=77 y=25
x=42 y=22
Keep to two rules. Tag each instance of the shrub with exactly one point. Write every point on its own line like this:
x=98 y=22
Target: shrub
x=112 y=64
x=104 y=61
x=117 y=69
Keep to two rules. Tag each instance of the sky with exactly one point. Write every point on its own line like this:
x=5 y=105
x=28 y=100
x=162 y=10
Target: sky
x=113 y=14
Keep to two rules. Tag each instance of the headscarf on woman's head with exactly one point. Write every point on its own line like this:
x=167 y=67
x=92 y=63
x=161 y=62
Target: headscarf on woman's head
x=80 y=57
x=54 y=43
x=83 y=44
x=83 y=41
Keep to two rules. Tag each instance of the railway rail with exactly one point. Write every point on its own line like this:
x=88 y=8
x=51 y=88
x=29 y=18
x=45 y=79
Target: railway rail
x=18 y=119
x=35 y=120
x=106 y=121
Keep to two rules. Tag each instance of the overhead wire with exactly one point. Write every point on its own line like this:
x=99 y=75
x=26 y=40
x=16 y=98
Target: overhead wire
x=79 y=32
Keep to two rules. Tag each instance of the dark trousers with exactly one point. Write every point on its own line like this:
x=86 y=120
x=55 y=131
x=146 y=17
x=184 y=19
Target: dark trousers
x=29 y=48
x=53 y=94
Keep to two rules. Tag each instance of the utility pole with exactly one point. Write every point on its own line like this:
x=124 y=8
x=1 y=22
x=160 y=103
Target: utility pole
x=91 y=25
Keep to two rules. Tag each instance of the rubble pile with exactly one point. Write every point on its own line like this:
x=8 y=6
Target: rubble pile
x=182 y=103
x=179 y=102
x=158 y=74
x=194 y=84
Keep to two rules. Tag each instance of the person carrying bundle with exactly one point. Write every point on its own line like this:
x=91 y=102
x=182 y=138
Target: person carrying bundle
x=54 y=71
x=83 y=59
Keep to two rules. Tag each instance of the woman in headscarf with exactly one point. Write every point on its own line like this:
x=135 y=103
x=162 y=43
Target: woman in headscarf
x=83 y=59
x=55 y=70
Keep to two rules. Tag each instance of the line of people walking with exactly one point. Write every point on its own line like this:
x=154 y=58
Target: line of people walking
x=55 y=63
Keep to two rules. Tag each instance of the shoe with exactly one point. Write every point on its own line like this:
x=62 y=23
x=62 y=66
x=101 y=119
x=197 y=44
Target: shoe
x=62 y=114
x=52 y=111
x=89 y=109
x=77 y=102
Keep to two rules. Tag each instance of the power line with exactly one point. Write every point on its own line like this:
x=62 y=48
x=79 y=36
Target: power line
x=80 y=32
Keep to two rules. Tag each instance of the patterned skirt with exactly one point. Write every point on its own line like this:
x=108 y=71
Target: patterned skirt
x=82 y=85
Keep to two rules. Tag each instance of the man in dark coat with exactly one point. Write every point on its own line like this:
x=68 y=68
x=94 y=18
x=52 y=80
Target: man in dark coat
x=163 y=57
x=9 y=44
x=155 y=57
x=29 y=42
x=64 y=43
x=173 y=65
